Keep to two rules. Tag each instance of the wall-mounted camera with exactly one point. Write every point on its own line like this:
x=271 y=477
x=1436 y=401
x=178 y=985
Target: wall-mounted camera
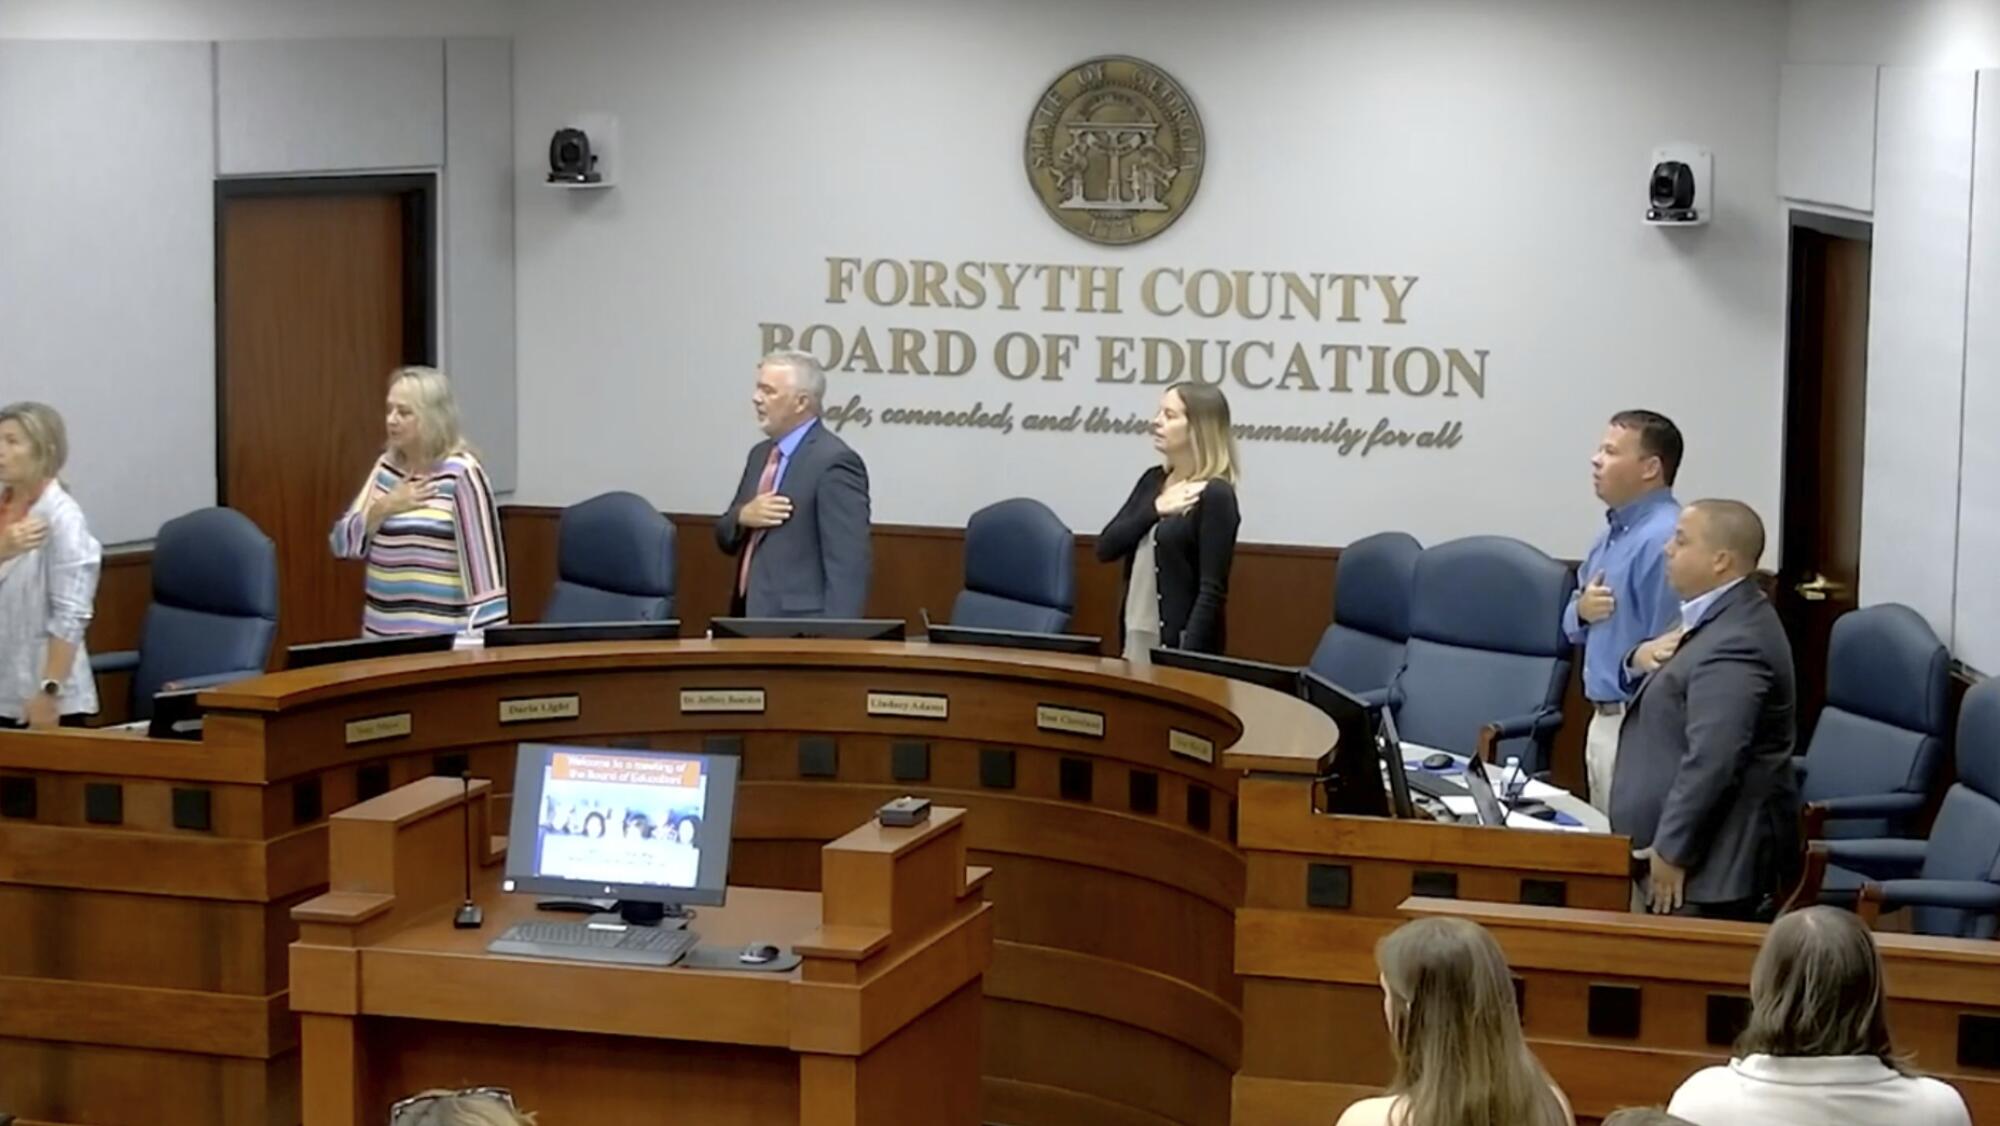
x=582 y=153
x=570 y=158
x=1680 y=187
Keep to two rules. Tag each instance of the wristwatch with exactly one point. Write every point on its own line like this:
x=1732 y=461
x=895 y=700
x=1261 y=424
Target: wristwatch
x=51 y=687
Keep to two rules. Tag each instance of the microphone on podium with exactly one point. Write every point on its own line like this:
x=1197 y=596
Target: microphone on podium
x=469 y=917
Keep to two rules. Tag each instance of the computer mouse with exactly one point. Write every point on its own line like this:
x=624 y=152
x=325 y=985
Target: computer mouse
x=758 y=953
x=1438 y=760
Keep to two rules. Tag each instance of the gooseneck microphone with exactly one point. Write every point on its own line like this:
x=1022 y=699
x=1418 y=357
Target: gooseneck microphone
x=469 y=917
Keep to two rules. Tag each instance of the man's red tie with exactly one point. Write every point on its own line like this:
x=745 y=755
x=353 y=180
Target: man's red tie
x=766 y=484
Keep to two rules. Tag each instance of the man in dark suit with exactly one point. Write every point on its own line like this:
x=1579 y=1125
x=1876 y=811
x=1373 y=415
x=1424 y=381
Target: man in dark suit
x=799 y=522
x=1704 y=783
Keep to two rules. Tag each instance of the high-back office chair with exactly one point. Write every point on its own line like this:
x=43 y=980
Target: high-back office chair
x=614 y=562
x=1486 y=661
x=214 y=613
x=1951 y=882
x=1362 y=651
x=1868 y=770
x=1020 y=569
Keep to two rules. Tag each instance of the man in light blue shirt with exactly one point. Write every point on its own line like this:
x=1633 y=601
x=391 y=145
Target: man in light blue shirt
x=1622 y=597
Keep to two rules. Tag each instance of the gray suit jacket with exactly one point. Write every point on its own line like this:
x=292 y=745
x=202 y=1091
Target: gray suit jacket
x=1704 y=772
x=816 y=564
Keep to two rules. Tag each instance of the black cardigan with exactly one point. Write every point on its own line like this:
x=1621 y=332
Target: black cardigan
x=1191 y=557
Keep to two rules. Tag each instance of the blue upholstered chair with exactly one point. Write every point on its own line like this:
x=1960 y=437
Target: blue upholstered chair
x=1362 y=651
x=614 y=562
x=214 y=613
x=1020 y=569
x=1880 y=739
x=1487 y=661
x=1951 y=882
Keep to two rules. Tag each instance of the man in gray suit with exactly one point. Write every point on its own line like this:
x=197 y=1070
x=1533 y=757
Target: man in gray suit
x=1704 y=783
x=799 y=522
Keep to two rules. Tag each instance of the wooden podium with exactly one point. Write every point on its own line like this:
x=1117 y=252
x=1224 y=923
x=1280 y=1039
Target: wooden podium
x=1321 y=890
x=879 y=1025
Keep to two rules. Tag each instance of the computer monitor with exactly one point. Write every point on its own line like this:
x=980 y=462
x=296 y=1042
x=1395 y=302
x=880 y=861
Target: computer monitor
x=1278 y=678
x=1390 y=746
x=649 y=829
x=176 y=715
x=1355 y=785
x=844 y=629
x=1078 y=643
x=556 y=633
x=366 y=648
x=1483 y=798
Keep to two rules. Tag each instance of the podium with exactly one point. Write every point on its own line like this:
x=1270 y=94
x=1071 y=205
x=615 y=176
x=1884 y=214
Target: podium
x=878 y=1025
x=1322 y=889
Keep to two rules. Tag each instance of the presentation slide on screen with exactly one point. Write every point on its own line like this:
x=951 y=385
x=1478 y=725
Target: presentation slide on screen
x=621 y=819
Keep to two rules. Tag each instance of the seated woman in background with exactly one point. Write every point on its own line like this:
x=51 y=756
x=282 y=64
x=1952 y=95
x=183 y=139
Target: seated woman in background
x=1817 y=1047
x=425 y=521
x=1460 y=1057
x=49 y=564
x=477 y=1106
x=1177 y=531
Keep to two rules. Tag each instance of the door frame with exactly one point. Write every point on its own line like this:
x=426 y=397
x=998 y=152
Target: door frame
x=419 y=196
x=1833 y=226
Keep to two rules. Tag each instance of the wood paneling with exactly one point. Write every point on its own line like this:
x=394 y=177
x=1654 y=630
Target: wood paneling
x=311 y=316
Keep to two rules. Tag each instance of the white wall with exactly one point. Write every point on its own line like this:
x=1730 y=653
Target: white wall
x=107 y=268
x=1497 y=151
x=1943 y=33
x=1976 y=614
x=251 y=19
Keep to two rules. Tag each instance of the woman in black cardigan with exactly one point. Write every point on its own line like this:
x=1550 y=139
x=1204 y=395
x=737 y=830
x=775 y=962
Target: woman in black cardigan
x=1177 y=531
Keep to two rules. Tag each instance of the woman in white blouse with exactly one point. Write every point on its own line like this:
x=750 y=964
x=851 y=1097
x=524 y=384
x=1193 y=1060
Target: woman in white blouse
x=48 y=576
x=1817 y=1048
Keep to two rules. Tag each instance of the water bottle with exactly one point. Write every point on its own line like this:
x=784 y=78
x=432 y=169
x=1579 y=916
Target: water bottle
x=1513 y=779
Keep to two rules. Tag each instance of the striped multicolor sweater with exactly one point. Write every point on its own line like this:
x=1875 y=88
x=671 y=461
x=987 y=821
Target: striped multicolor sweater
x=435 y=568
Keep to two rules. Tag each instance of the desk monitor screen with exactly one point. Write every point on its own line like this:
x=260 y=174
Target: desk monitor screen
x=1483 y=797
x=647 y=828
x=1278 y=678
x=1391 y=745
x=176 y=715
x=1078 y=643
x=1357 y=785
x=556 y=633
x=844 y=629
x=366 y=648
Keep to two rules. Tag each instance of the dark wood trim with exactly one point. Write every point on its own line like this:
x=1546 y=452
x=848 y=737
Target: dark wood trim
x=1838 y=226
x=421 y=316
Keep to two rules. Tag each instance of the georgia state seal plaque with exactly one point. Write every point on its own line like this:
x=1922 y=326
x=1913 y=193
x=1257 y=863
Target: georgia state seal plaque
x=1115 y=150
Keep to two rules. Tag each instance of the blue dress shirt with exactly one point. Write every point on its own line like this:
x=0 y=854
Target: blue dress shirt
x=1631 y=552
x=789 y=445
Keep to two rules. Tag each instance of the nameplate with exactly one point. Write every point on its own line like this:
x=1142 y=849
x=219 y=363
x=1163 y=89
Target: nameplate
x=1189 y=745
x=909 y=705
x=740 y=700
x=537 y=709
x=1069 y=721
x=376 y=728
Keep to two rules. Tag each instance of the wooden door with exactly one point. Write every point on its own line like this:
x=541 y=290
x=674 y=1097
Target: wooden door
x=315 y=298
x=1827 y=381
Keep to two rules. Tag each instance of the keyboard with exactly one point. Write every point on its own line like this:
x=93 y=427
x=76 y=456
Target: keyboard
x=1437 y=785
x=583 y=942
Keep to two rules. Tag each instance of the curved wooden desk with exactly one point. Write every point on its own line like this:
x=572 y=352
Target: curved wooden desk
x=1095 y=791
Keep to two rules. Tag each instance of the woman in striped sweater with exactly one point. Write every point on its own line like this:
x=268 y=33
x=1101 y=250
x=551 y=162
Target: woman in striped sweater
x=425 y=521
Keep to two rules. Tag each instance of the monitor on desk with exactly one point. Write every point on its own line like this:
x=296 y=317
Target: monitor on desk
x=844 y=629
x=366 y=648
x=557 y=633
x=1278 y=678
x=176 y=715
x=1390 y=744
x=1355 y=784
x=1077 y=643
x=649 y=829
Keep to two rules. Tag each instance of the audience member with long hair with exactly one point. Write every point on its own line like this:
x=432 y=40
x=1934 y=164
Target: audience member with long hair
x=474 y=1106
x=1817 y=1048
x=1460 y=1057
